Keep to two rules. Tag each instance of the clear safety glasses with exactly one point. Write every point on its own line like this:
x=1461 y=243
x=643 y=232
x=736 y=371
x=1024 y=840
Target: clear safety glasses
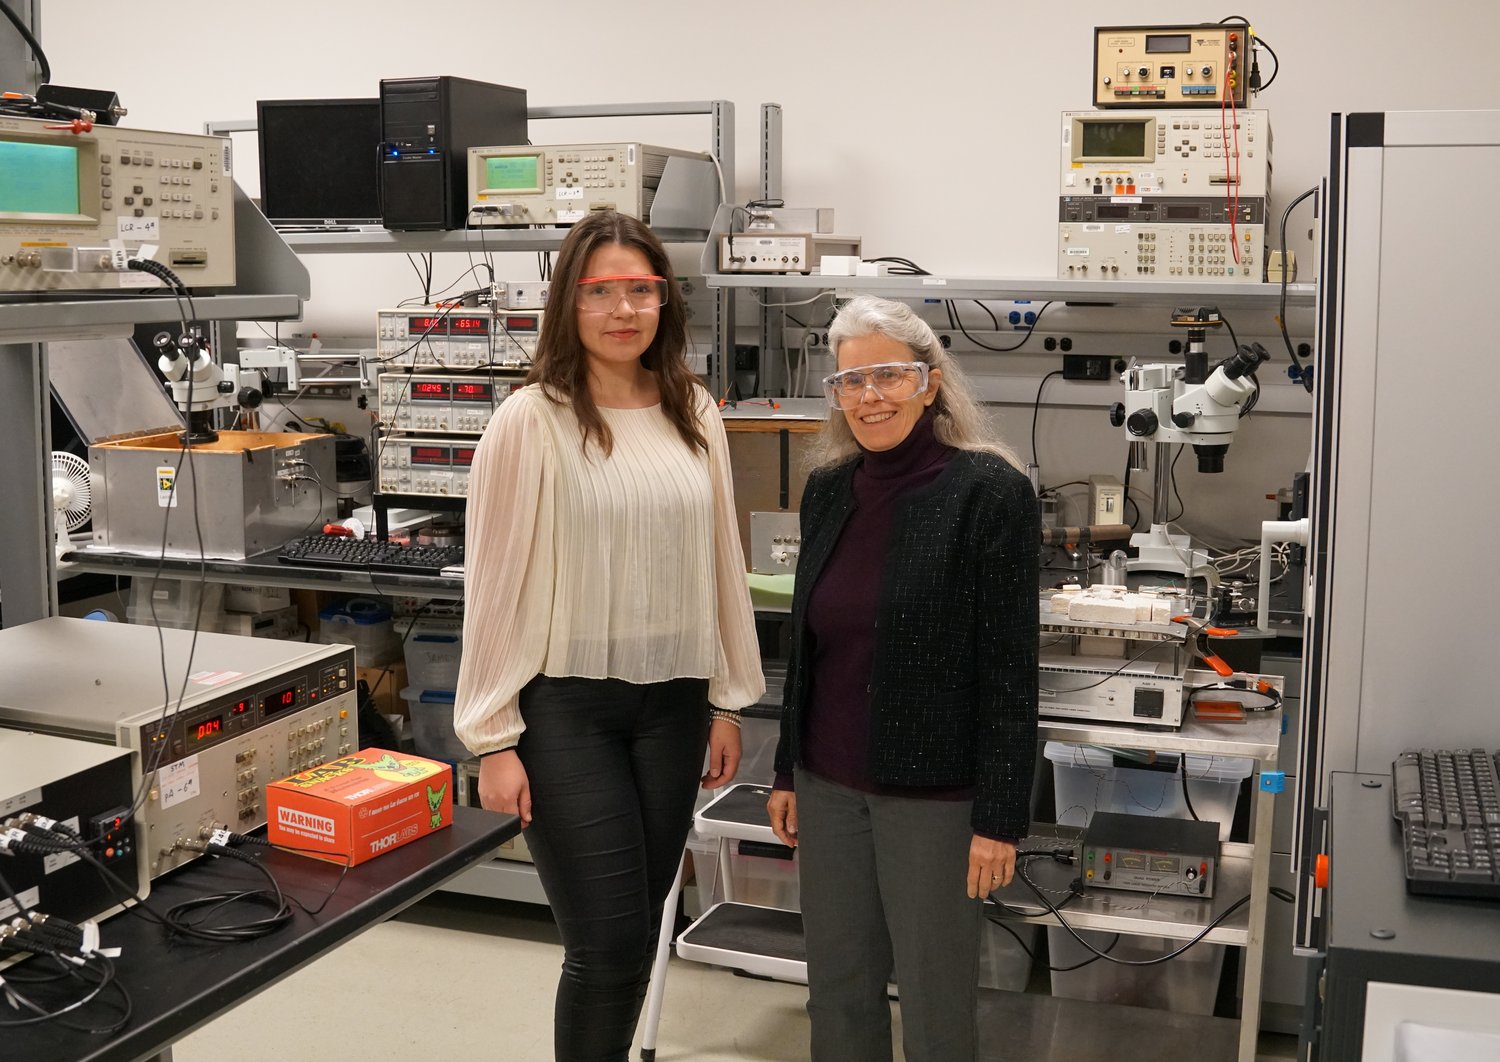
x=603 y=294
x=893 y=380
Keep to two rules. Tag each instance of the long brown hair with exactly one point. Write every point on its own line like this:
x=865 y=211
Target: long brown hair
x=561 y=363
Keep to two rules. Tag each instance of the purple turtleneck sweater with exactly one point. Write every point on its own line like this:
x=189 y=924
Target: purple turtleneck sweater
x=841 y=618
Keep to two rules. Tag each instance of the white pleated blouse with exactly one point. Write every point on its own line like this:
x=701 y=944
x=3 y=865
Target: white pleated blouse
x=580 y=565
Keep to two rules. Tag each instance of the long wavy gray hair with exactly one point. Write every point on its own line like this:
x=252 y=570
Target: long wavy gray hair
x=960 y=423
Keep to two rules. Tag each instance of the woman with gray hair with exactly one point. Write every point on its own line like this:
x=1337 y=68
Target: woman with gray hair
x=908 y=731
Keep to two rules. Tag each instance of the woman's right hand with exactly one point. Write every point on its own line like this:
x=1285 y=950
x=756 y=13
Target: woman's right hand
x=503 y=785
x=783 y=809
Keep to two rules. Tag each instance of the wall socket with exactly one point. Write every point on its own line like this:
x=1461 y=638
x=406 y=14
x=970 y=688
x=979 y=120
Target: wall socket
x=1086 y=367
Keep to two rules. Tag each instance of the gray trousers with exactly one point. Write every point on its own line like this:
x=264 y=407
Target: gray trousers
x=884 y=891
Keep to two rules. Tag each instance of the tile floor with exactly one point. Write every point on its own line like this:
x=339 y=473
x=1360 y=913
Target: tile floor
x=460 y=977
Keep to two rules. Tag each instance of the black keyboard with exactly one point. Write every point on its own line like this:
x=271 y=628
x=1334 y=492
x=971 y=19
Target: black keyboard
x=369 y=555
x=1449 y=809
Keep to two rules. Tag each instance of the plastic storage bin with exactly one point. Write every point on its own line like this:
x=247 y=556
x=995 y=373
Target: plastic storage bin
x=433 y=648
x=364 y=624
x=176 y=602
x=1089 y=779
x=1188 y=984
x=431 y=713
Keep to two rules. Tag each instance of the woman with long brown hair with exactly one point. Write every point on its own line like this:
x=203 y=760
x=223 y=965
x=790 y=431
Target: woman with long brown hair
x=606 y=611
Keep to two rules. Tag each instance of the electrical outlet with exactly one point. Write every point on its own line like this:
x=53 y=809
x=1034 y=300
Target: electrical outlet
x=1085 y=367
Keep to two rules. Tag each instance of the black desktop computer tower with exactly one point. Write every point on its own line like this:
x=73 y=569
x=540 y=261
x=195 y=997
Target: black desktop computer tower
x=427 y=126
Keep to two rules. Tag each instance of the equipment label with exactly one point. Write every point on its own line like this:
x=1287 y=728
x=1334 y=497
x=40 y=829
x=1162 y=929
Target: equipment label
x=166 y=496
x=139 y=228
x=30 y=897
x=1078 y=251
x=567 y=217
x=570 y=193
x=214 y=678
x=178 y=782
x=1124 y=199
x=1122 y=228
x=57 y=860
x=1093 y=226
x=19 y=801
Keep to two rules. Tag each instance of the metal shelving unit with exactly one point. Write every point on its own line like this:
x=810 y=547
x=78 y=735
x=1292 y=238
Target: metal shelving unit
x=1135 y=293
x=719 y=937
x=270 y=285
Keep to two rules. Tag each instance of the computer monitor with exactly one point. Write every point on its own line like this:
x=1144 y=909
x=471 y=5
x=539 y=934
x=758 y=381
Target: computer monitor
x=319 y=161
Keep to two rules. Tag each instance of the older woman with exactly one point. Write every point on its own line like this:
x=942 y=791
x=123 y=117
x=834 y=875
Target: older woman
x=908 y=734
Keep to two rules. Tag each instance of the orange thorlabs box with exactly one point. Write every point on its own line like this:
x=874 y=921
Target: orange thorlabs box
x=352 y=809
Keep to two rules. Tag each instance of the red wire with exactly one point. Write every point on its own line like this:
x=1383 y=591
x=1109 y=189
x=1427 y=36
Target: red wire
x=1227 y=116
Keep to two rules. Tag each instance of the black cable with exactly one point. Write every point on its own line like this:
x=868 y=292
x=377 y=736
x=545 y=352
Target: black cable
x=1181 y=507
x=1186 y=797
x=1261 y=41
x=31 y=42
x=1030 y=331
x=1304 y=375
x=1036 y=408
x=1156 y=960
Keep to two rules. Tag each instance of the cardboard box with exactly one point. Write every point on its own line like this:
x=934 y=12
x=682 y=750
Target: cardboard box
x=352 y=809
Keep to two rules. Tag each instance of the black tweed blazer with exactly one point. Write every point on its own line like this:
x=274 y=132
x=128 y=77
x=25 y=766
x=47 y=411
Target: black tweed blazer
x=955 y=684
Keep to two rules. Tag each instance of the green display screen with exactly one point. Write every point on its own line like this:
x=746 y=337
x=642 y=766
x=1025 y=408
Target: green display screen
x=1122 y=139
x=512 y=173
x=38 y=178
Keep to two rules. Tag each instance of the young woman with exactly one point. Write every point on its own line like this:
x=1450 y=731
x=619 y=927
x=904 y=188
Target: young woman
x=606 y=610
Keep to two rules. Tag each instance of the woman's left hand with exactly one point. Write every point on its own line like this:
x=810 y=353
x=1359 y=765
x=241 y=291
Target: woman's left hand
x=723 y=754
x=991 y=865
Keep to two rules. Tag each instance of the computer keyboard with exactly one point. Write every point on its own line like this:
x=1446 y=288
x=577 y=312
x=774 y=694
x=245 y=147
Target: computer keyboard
x=1447 y=803
x=369 y=555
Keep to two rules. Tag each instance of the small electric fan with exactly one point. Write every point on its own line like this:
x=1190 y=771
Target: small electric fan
x=72 y=498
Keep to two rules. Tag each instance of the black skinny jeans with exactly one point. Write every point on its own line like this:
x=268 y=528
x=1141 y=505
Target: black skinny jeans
x=614 y=768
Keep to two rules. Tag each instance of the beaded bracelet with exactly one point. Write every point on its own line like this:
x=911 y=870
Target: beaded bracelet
x=726 y=714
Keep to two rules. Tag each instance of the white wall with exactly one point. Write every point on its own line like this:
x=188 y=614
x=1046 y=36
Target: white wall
x=930 y=127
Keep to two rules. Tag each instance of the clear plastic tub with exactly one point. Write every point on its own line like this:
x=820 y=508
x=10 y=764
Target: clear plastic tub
x=176 y=602
x=364 y=624
x=431 y=713
x=1089 y=779
x=433 y=650
x=1188 y=984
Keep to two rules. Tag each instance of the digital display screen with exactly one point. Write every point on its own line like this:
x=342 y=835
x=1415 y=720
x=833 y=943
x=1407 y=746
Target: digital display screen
x=433 y=326
x=1123 y=139
x=1110 y=212
x=473 y=392
x=280 y=700
x=429 y=389
x=430 y=455
x=239 y=708
x=1175 y=43
x=38 y=178
x=513 y=173
x=468 y=326
x=520 y=324
x=463 y=456
x=1182 y=213
x=205 y=730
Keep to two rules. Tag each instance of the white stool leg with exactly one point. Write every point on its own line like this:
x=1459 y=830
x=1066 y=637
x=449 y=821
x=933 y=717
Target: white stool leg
x=658 y=985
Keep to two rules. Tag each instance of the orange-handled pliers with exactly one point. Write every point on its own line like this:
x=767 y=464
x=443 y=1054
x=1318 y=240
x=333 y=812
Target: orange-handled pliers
x=1199 y=632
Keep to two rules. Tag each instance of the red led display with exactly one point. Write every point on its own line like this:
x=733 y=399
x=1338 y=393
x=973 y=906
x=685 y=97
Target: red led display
x=464 y=455
x=429 y=455
x=429 y=389
x=520 y=324
x=469 y=326
x=207 y=729
x=240 y=708
x=280 y=700
x=472 y=392
x=435 y=326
